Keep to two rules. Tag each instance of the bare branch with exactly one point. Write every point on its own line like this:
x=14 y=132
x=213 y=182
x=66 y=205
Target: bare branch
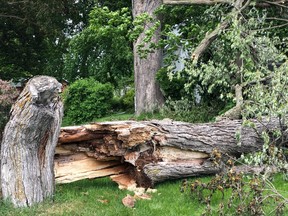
x=273 y=27
x=18 y=2
x=276 y=18
x=12 y=16
x=278 y=3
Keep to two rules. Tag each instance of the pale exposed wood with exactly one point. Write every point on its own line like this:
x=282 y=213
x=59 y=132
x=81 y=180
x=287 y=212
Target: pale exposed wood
x=80 y=164
x=28 y=145
x=91 y=174
x=124 y=181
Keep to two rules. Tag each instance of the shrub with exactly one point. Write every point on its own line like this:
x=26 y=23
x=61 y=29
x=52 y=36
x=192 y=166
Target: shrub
x=128 y=99
x=172 y=87
x=87 y=99
x=8 y=94
x=187 y=111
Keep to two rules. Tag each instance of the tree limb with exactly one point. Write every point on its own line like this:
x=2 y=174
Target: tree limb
x=210 y=37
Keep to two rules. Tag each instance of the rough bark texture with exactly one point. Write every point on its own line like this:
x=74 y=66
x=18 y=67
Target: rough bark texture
x=148 y=96
x=151 y=152
x=29 y=140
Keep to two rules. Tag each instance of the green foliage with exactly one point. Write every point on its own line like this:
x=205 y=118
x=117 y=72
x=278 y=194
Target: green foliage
x=267 y=102
x=102 y=50
x=128 y=99
x=31 y=37
x=173 y=87
x=87 y=99
x=8 y=95
x=238 y=194
x=186 y=110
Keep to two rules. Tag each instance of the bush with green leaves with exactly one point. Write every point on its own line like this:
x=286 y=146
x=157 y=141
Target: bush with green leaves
x=8 y=94
x=128 y=99
x=187 y=111
x=87 y=99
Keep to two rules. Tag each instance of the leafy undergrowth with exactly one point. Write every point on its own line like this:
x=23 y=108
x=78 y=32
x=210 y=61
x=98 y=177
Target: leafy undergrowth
x=249 y=199
x=102 y=197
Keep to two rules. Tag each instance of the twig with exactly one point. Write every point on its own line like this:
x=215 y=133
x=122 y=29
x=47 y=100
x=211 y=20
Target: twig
x=12 y=16
x=280 y=3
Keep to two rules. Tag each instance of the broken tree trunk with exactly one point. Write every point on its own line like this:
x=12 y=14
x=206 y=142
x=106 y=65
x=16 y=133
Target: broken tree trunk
x=150 y=152
x=29 y=140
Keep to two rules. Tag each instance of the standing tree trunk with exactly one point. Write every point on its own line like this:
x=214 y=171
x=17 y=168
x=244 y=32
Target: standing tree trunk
x=29 y=140
x=148 y=96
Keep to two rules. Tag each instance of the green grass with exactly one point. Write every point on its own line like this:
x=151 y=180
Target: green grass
x=116 y=117
x=130 y=116
x=86 y=198
x=120 y=117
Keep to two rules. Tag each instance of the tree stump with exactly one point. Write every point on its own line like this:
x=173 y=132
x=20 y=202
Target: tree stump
x=29 y=140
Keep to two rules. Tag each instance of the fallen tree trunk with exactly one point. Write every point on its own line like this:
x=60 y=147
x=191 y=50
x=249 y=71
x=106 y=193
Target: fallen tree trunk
x=150 y=152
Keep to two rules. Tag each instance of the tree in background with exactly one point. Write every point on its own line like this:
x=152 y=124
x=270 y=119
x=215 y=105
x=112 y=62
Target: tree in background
x=102 y=50
x=34 y=35
x=148 y=96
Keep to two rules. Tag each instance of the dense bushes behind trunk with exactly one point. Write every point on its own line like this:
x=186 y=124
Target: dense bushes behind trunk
x=8 y=95
x=87 y=99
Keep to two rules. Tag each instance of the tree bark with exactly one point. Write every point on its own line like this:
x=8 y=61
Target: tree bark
x=148 y=95
x=29 y=140
x=157 y=150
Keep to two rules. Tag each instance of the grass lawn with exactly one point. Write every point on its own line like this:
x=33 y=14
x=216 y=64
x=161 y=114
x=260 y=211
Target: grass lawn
x=102 y=197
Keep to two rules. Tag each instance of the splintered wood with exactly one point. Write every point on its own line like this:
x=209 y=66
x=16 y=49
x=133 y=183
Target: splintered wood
x=98 y=150
x=149 y=152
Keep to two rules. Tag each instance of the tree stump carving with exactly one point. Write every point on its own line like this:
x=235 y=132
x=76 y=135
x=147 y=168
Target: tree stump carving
x=29 y=140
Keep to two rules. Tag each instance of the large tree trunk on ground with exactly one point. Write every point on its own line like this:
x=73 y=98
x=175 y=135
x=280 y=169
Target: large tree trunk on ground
x=148 y=96
x=150 y=152
x=29 y=140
